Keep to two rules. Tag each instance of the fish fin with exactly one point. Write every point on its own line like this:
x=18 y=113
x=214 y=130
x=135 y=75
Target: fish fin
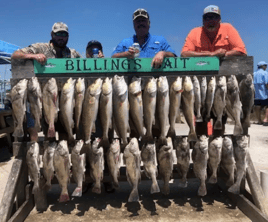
x=18 y=132
x=64 y=198
x=218 y=124
x=155 y=188
x=134 y=196
x=77 y=192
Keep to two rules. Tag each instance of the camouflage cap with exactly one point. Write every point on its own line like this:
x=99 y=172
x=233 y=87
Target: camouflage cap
x=212 y=9
x=60 y=27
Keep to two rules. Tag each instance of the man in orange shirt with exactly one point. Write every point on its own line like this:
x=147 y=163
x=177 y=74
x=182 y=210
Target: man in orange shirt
x=214 y=38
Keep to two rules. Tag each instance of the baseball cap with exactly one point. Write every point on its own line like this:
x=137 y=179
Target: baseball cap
x=212 y=9
x=140 y=12
x=60 y=27
x=94 y=42
x=262 y=63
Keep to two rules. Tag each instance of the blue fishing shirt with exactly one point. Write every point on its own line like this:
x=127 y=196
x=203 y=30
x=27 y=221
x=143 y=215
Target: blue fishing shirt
x=260 y=81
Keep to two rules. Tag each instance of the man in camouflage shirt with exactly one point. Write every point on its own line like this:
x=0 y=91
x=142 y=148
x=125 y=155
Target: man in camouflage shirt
x=55 y=48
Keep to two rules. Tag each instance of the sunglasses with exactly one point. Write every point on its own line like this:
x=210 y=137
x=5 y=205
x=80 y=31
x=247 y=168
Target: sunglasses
x=139 y=12
x=61 y=34
x=211 y=17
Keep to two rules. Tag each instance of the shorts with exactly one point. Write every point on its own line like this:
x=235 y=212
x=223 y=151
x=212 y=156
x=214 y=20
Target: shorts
x=29 y=120
x=259 y=102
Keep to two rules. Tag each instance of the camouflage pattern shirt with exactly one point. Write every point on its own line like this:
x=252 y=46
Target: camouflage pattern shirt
x=48 y=50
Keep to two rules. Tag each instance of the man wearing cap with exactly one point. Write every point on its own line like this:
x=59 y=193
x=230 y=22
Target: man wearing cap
x=55 y=48
x=213 y=38
x=93 y=45
x=261 y=92
x=151 y=46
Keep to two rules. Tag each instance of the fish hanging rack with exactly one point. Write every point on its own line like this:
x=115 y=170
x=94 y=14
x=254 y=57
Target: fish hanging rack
x=18 y=200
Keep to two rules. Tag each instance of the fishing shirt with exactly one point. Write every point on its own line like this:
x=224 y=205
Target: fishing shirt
x=153 y=44
x=260 y=81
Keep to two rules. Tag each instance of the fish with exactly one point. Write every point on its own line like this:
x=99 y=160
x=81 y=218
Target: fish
x=200 y=159
x=148 y=157
x=96 y=161
x=165 y=161
x=132 y=161
x=18 y=100
x=197 y=99
x=50 y=106
x=203 y=90
x=175 y=103
x=67 y=108
x=90 y=109
x=79 y=99
x=106 y=109
x=62 y=169
x=219 y=101
x=149 y=107
x=210 y=97
x=78 y=167
x=163 y=107
x=136 y=105
x=113 y=162
x=240 y=153
x=227 y=159
x=34 y=95
x=214 y=151
x=33 y=163
x=48 y=166
x=188 y=106
x=233 y=104
x=246 y=90
x=120 y=107
x=182 y=148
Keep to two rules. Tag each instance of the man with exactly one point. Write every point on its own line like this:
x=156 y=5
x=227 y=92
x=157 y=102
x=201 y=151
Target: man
x=151 y=46
x=214 y=38
x=91 y=45
x=55 y=48
x=261 y=92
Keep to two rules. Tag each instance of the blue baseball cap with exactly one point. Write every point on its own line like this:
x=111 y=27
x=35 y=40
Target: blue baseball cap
x=212 y=9
x=262 y=63
x=94 y=42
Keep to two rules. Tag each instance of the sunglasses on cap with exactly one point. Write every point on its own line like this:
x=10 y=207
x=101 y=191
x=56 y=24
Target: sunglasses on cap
x=140 y=12
x=61 y=34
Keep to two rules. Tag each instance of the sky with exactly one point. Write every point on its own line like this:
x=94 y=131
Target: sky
x=29 y=21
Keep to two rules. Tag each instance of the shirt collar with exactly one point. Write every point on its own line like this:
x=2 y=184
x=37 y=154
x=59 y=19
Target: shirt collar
x=146 y=39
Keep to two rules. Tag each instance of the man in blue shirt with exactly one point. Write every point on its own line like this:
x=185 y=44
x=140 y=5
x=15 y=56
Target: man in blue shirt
x=261 y=91
x=151 y=46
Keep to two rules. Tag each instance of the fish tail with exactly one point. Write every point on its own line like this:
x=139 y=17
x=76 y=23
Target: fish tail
x=171 y=132
x=192 y=137
x=18 y=132
x=96 y=189
x=51 y=131
x=212 y=179
x=77 y=192
x=218 y=124
x=166 y=189
x=155 y=188
x=202 y=190
x=235 y=189
x=134 y=195
x=64 y=197
x=238 y=130
x=105 y=142
x=162 y=140
x=199 y=118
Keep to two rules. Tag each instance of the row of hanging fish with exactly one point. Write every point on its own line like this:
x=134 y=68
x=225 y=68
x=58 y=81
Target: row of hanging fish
x=158 y=104
x=155 y=157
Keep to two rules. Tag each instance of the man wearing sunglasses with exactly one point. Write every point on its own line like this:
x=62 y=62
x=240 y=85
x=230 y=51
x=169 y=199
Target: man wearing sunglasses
x=151 y=46
x=55 y=48
x=214 y=38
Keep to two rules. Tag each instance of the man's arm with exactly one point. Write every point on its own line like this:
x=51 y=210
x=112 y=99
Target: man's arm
x=195 y=54
x=127 y=54
x=41 y=58
x=234 y=53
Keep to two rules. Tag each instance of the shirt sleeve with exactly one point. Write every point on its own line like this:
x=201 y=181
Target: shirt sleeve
x=75 y=54
x=235 y=40
x=166 y=47
x=121 y=47
x=31 y=49
x=189 y=45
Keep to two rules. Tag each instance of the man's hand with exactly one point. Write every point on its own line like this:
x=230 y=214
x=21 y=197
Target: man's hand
x=158 y=60
x=130 y=53
x=41 y=58
x=219 y=53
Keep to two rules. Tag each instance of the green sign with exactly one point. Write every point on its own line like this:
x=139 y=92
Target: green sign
x=123 y=65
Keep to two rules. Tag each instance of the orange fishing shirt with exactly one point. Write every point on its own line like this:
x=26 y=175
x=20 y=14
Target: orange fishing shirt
x=227 y=38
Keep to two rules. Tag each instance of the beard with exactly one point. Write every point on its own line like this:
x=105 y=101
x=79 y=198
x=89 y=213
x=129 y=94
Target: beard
x=60 y=43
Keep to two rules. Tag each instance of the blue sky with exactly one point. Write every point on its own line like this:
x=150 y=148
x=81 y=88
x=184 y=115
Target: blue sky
x=25 y=22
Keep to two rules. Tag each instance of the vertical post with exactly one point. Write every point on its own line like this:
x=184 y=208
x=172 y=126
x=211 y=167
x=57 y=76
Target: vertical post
x=264 y=182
